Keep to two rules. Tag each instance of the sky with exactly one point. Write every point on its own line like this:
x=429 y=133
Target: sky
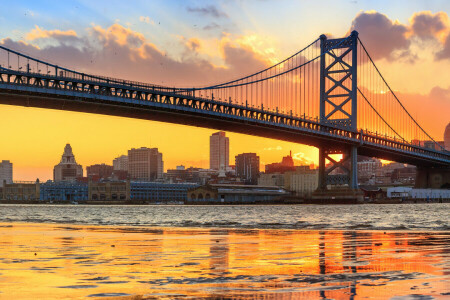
x=192 y=43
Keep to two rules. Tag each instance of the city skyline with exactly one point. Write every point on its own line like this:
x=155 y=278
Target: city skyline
x=177 y=39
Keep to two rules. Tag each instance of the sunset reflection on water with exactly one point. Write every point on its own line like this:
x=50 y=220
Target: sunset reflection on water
x=46 y=261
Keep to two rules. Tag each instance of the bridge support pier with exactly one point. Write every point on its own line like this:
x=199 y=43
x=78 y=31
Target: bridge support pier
x=341 y=175
x=432 y=178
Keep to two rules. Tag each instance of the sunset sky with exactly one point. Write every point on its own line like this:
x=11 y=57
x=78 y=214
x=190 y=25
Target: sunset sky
x=189 y=43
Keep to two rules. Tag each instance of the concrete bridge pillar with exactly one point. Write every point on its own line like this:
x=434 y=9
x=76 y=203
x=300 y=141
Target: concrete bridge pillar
x=432 y=178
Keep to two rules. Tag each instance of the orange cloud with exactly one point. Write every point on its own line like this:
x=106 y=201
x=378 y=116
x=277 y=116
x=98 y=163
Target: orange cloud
x=426 y=25
x=38 y=33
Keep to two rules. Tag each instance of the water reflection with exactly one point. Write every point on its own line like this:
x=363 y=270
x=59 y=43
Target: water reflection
x=49 y=261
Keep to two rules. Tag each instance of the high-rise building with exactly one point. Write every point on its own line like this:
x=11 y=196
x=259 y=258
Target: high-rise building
x=6 y=172
x=67 y=169
x=447 y=137
x=145 y=164
x=219 y=151
x=120 y=163
x=247 y=167
x=99 y=171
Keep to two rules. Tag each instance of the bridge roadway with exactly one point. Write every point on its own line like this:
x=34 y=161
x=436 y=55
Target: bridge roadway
x=133 y=100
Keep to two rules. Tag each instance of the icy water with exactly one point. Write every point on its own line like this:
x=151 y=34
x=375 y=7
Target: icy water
x=225 y=252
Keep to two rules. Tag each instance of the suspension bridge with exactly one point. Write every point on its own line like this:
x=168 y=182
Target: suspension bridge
x=330 y=95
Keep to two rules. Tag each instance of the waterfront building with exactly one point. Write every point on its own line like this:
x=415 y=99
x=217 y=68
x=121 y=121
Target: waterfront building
x=303 y=181
x=408 y=193
x=238 y=194
x=145 y=164
x=367 y=168
x=120 y=163
x=406 y=175
x=219 y=151
x=67 y=169
x=159 y=192
x=271 y=179
x=21 y=191
x=6 y=172
x=247 y=167
x=107 y=191
x=99 y=171
x=64 y=191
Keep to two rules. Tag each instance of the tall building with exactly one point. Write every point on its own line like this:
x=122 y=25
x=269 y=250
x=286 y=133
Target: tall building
x=145 y=164
x=99 y=171
x=67 y=169
x=447 y=137
x=247 y=167
x=219 y=151
x=6 y=172
x=120 y=163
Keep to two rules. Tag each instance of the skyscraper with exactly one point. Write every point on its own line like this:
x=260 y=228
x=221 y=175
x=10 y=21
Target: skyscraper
x=145 y=164
x=6 y=172
x=67 y=169
x=247 y=167
x=218 y=151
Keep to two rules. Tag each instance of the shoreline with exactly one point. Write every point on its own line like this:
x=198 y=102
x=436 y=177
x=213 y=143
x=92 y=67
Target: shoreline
x=138 y=203
x=202 y=228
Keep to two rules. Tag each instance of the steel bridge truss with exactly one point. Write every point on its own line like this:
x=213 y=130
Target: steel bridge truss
x=338 y=107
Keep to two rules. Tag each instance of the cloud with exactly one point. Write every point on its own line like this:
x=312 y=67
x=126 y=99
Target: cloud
x=211 y=26
x=38 y=33
x=208 y=10
x=277 y=148
x=426 y=25
x=146 y=20
x=300 y=156
x=193 y=44
x=383 y=37
x=120 y=52
x=391 y=40
x=445 y=52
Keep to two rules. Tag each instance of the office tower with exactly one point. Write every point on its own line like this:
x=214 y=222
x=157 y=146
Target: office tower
x=6 y=172
x=218 y=151
x=145 y=164
x=247 y=167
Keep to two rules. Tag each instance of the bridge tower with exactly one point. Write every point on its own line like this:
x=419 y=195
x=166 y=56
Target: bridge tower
x=338 y=107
